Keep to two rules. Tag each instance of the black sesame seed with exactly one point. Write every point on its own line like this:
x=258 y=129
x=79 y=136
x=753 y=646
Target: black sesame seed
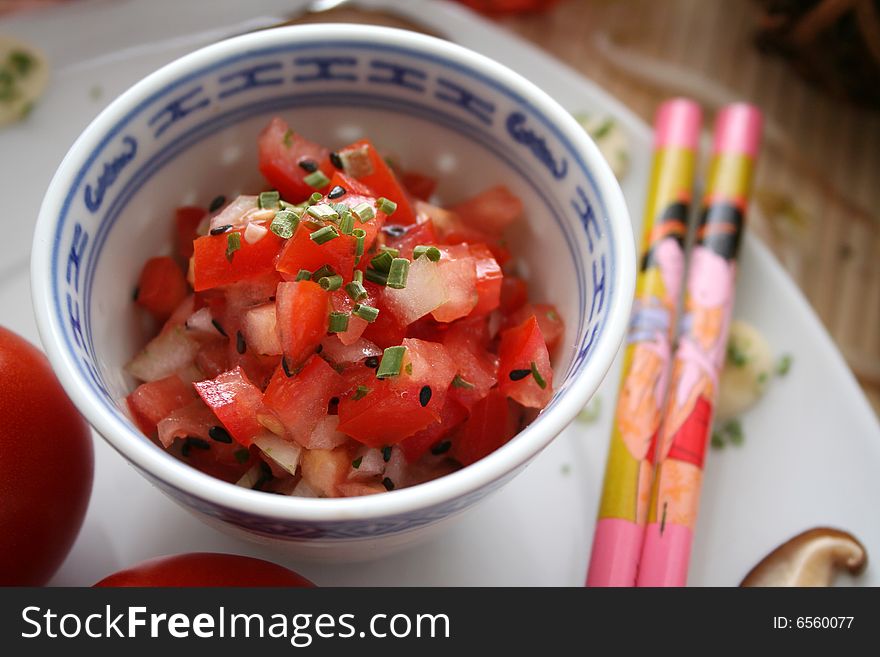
x=217 y=203
x=372 y=362
x=319 y=349
x=286 y=368
x=336 y=192
x=519 y=375
x=389 y=485
x=220 y=435
x=219 y=230
x=386 y=453
x=265 y=476
x=441 y=447
x=240 y=344
x=219 y=328
x=336 y=161
x=308 y=165
x=425 y=395
x=191 y=442
x=394 y=230
x=135 y=294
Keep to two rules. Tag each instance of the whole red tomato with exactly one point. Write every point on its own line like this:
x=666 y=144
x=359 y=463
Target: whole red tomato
x=206 y=569
x=46 y=466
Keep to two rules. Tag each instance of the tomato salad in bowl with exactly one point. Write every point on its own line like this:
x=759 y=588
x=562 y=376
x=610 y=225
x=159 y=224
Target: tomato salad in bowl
x=337 y=335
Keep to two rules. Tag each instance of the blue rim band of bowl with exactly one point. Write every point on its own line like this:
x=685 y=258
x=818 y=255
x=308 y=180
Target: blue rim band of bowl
x=215 y=492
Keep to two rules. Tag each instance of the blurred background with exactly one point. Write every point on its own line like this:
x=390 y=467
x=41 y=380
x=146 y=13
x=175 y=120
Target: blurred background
x=813 y=67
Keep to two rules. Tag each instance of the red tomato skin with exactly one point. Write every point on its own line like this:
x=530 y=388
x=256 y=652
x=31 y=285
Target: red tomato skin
x=383 y=182
x=235 y=401
x=491 y=211
x=422 y=233
x=46 y=466
x=303 y=310
x=187 y=220
x=451 y=416
x=418 y=184
x=280 y=152
x=161 y=287
x=549 y=321
x=383 y=417
x=521 y=346
x=386 y=331
x=205 y=569
x=211 y=267
x=514 y=293
x=153 y=401
x=490 y=425
x=301 y=252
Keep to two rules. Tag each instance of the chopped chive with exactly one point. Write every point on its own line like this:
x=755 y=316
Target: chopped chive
x=336 y=192
x=330 y=283
x=537 y=376
x=241 y=455
x=390 y=249
x=425 y=395
x=338 y=322
x=372 y=362
x=217 y=203
x=240 y=344
x=314 y=198
x=367 y=313
x=324 y=235
x=382 y=261
x=307 y=165
x=219 y=328
x=386 y=206
x=360 y=235
x=361 y=392
x=284 y=224
x=357 y=462
x=219 y=230
x=519 y=375
x=363 y=211
x=358 y=276
x=389 y=485
x=432 y=252
x=303 y=275
x=441 y=447
x=378 y=277
x=233 y=244
x=392 y=360
x=336 y=161
x=316 y=179
x=356 y=291
x=460 y=382
x=322 y=271
x=784 y=365
x=287 y=140
x=286 y=367
x=323 y=212
x=269 y=200
x=346 y=223
x=220 y=435
x=398 y=273
x=386 y=453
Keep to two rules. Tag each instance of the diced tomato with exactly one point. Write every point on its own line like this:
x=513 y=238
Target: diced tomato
x=303 y=311
x=549 y=321
x=153 y=401
x=345 y=355
x=325 y=469
x=302 y=252
x=418 y=184
x=187 y=220
x=476 y=367
x=489 y=279
x=300 y=402
x=427 y=370
x=285 y=157
x=235 y=401
x=523 y=350
x=356 y=192
x=161 y=287
x=514 y=293
x=490 y=425
x=451 y=415
x=362 y=161
x=406 y=238
x=491 y=210
x=213 y=359
x=459 y=275
x=359 y=488
x=193 y=419
x=424 y=293
x=388 y=330
x=213 y=268
x=180 y=315
x=343 y=303
x=384 y=416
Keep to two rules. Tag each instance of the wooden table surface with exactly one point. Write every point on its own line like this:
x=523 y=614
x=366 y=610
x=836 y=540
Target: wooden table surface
x=817 y=201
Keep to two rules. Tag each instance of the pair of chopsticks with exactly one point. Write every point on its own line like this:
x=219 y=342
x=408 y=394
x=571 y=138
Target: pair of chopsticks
x=665 y=405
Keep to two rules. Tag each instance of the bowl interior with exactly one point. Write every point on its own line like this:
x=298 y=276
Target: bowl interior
x=188 y=133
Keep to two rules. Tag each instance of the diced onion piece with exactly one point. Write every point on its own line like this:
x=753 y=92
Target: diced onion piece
x=250 y=478
x=254 y=233
x=285 y=453
x=325 y=434
x=303 y=489
x=341 y=354
x=424 y=292
x=356 y=161
x=201 y=324
x=164 y=355
x=259 y=326
x=370 y=462
x=236 y=213
x=397 y=469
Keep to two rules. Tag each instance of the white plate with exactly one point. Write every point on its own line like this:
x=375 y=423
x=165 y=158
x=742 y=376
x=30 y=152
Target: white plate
x=812 y=446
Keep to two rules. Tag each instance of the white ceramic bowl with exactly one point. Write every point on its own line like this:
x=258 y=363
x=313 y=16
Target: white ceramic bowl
x=188 y=132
